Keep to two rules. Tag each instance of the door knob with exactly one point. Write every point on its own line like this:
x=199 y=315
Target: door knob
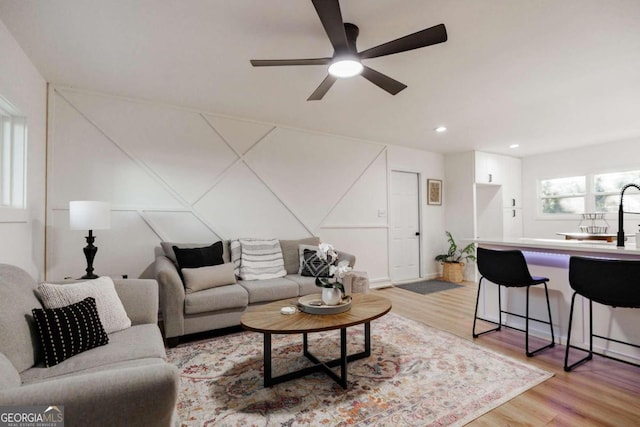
x=417 y=233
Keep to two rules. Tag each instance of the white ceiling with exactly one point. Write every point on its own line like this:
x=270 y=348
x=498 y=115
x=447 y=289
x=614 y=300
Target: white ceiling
x=545 y=74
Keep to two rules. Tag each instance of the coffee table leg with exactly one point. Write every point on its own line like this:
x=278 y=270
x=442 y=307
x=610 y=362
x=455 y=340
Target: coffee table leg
x=267 y=360
x=342 y=361
x=367 y=340
x=305 y=344
x=343 y=357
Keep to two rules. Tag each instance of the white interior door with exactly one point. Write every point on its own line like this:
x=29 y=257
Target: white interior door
x=405 y=226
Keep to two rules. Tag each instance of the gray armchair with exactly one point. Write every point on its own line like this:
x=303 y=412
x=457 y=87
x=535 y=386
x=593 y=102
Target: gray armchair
x=125 y=382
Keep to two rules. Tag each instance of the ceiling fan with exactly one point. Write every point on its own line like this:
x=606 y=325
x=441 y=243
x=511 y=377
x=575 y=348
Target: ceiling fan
x=346 y=60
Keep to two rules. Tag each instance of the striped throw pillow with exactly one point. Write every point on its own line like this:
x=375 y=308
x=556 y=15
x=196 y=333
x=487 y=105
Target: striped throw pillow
x=236 y=255
x=261 y=259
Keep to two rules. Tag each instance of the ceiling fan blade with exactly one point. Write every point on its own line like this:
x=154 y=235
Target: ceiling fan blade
x=383 y=82
x=323 y=88
x=279 y=62
x=331 y=18
x=427 y=37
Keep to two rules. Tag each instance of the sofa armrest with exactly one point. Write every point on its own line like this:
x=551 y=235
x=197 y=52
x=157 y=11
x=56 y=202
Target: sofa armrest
x=140 y=396
x=139 y=298
x=171 y=296
x=356 y=282
x=346 y=256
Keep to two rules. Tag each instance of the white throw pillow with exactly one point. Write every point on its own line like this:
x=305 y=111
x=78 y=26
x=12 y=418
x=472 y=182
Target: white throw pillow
x=198 y=279
x=261 y=259
x=110 y=309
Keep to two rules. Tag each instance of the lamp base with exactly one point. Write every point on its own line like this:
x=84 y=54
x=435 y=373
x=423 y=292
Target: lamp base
x=90 y=253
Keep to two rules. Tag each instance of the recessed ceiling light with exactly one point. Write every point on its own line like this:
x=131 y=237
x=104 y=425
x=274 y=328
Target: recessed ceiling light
x=440 y=129
x=514 y=146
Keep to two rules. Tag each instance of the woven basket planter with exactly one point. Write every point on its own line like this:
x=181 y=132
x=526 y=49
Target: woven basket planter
x=453 y=272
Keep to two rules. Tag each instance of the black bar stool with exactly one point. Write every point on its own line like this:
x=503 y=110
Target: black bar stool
x=509 y=269
x=605 y=281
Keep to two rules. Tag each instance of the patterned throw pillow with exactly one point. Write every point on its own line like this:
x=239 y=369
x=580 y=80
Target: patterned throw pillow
x=69 y=330
x=313 y=265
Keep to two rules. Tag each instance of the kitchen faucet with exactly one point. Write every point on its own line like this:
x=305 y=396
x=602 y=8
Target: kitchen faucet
x=621 y=215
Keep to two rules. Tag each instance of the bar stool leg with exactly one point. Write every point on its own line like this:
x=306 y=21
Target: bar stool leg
x=475 y=314
x=589 y=356
x=526 y=326
x=546 y=293
x=550 y=345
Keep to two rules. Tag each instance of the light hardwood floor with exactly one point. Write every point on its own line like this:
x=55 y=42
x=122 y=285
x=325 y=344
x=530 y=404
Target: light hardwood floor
x=601 y=392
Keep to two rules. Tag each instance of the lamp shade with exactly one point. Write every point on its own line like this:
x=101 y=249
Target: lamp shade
x=89 y=215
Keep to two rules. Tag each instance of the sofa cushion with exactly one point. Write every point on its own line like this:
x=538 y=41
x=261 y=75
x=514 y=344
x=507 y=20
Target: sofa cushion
x=198 y=279
x=213 y=299
x=167 y=248
x=261 y=259
x=110 y=309
x=291 y=255
x=18 y=337
x=69 y=330
x=306 y=285
x=270 y=289
x=136 y=342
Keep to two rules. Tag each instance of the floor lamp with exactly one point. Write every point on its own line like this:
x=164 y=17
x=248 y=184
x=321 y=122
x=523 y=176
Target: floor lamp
x=89 y=215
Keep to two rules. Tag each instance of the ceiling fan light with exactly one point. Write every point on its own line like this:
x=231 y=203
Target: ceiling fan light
x=344 y=68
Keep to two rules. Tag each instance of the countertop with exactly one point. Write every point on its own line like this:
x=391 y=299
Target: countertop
x=565 y=246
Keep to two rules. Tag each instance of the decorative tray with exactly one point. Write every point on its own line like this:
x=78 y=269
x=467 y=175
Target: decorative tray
x=313 y=304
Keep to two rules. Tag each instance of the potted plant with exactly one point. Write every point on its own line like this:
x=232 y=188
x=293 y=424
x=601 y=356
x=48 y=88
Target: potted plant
x=454 y=260
x=332 y=290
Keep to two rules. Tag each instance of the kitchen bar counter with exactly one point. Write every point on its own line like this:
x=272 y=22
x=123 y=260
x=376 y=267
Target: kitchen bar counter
x=572 y=247
x=550 y=258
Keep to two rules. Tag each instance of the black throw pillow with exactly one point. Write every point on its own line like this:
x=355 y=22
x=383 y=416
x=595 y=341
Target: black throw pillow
x=199 y=257
x=69 y=330
x=313 y=265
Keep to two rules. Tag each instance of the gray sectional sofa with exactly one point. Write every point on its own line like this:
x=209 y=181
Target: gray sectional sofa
x=186 y=313
x=125 y=382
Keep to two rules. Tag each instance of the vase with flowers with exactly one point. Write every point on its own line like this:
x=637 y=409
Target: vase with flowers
x=332 y=287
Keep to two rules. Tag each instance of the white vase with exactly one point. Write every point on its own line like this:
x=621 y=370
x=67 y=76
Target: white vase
x=331 y=296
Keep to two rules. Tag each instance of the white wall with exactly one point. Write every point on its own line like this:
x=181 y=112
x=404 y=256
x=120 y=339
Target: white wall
x=612 y=156
x=183 y=175
x=22 y=239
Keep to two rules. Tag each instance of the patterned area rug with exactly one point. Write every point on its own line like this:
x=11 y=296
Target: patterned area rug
x=428 y=286
x=416 y=375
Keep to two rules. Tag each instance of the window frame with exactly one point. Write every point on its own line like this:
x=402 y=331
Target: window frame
x=590 y=196
x=563 y=215
x=13 y=163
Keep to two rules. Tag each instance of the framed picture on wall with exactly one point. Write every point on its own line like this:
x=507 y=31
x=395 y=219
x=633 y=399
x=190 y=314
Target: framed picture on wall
x=434 y=191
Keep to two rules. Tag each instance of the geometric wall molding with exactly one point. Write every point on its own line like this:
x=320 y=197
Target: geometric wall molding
x=87 y=164
x=241 y=135
x=181 y=175
x=355 y=206
x=156 y=135
x=309 y=172
x=241 y=205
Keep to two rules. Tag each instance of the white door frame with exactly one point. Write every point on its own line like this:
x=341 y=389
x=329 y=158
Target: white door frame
x=421 y=188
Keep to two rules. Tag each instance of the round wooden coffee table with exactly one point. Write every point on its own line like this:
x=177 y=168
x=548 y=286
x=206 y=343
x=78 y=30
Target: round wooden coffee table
x=268 y=320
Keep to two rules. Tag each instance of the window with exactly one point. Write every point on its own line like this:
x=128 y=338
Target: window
x=563 y=195
x=13 y=157
x=607 y=188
